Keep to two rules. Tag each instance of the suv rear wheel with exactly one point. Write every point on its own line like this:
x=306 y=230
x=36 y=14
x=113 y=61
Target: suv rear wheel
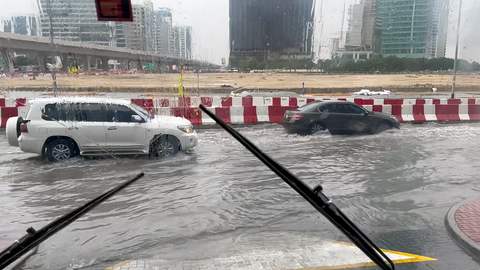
x=60 y=150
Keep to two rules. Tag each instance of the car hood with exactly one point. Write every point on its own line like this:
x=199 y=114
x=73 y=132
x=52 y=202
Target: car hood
x=171 y=120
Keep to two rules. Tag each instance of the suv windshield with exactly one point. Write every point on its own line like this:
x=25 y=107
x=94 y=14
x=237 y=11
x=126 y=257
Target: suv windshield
x=144 y=113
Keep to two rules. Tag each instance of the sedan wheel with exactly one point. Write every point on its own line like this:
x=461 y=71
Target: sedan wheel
x=383 y=126
x=315 y=128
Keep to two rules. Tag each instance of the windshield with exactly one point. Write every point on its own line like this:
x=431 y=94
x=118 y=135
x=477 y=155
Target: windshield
x=264 y=67
x=144 y=113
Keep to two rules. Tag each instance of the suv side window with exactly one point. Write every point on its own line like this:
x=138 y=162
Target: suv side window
x=122 y=113
x=96 y=112
x=61 y=112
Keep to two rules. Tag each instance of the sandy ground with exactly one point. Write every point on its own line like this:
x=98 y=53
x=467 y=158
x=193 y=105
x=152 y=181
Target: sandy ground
x=232 y=81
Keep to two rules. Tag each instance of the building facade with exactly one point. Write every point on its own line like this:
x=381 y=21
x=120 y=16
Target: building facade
x=183 y=42
x=23 y=25
x=75 y=21
x=275 y=29
x=414 y=28
x=164 y=37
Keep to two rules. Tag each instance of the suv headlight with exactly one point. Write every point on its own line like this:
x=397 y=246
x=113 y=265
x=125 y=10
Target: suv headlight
x=186 y=129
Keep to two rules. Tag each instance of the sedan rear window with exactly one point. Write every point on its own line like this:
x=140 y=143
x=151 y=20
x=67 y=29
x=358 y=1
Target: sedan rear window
x=309 y=107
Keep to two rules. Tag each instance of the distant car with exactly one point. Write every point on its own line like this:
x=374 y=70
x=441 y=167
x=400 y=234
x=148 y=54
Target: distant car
x=339 y=117
x=62 y=128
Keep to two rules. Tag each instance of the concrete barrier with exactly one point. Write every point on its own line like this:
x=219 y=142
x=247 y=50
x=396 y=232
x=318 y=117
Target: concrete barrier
x=252 y=110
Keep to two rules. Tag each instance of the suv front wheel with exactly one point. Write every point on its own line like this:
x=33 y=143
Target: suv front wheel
x=60 y=150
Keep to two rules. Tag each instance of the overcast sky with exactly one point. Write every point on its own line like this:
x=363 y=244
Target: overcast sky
x=210 y=19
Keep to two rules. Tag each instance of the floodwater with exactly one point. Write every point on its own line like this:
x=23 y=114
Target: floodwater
x=397 y=186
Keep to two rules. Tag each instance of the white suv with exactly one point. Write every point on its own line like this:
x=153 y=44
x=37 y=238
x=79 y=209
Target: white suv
x=62 y=128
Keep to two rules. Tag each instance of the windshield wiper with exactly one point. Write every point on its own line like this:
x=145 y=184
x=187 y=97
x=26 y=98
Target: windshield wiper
x=34 y=238
x=315 y=197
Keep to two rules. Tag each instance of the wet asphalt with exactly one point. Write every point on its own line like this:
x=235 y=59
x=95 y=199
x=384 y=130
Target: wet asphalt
x=397 y=186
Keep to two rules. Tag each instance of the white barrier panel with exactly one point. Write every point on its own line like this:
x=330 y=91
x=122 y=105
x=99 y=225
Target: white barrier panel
x=301 y=102
x=407 y=113
x=258 y=101
x=387 y=109
x=378 y=101
x=268 y=101
x=285 y=101
x=237 y=101
x=463 y=112
x=429 y=111
x=368 y=107
x=207 y=120
x=262 y=114
x=236 y=115
x=409 y=101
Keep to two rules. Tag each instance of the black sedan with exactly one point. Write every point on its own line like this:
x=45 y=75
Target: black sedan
x=339 y=117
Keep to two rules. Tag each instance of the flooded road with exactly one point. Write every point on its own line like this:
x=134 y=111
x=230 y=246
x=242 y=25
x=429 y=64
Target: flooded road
x=397 y=186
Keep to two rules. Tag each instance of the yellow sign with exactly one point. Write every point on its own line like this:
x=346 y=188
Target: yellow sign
x=180 y=86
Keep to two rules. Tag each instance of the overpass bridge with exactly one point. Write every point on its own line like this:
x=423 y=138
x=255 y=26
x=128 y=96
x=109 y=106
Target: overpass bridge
x=87 y=52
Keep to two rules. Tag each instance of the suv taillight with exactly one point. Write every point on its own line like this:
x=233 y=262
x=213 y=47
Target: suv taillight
x=23 y=128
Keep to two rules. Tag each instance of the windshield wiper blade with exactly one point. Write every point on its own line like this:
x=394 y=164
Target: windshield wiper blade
x=34 y=238
x=315 y=197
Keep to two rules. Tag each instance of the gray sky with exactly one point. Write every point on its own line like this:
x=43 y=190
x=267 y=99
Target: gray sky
x=209 y=19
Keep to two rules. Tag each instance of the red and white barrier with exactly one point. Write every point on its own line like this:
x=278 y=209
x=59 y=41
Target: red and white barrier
x=271 y=110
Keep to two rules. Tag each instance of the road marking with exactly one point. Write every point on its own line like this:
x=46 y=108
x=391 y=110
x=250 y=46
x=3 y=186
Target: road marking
x=327 y=255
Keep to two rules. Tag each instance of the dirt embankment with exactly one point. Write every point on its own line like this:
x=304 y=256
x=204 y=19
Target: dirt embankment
x=227 y=82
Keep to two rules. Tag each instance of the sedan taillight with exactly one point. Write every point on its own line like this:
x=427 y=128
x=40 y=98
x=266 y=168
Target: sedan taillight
x=296 y=117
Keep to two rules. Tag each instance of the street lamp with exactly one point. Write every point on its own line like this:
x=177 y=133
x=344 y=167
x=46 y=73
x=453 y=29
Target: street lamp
x=456 y=52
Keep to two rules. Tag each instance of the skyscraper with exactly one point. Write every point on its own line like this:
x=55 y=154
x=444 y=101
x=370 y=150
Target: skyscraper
x=164 y=38
x=76 y=21
x=23 y=25
x=414 y=28
x=183 y=41
x=275 y=29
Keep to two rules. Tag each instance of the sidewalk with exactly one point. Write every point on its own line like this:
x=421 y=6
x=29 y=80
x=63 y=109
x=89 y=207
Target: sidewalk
x=463 y=225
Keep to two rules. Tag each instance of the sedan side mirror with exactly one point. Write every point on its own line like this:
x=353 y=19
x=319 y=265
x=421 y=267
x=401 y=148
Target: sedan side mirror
x=137 y=119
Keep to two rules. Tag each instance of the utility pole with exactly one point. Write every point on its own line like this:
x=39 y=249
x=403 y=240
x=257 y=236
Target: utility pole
x=456 y=52
x=54 y=76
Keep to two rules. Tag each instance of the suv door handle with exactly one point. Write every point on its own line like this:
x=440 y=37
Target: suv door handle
x=112 y=128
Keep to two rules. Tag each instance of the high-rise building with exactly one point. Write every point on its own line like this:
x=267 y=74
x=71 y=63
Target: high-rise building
x=23 y=25
x=275 y=29
x=183 y=41
x=164 y=38
x=75 y=21
x=414 y=28
x=363 y=39
x=139 y=34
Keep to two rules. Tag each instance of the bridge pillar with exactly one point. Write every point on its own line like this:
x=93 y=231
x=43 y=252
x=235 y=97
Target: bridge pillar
x=139 y=65
x=104 y=63
x=125 y=65
x=86 y=62
x=65 y=66
x=7 y=56
x=42 y=61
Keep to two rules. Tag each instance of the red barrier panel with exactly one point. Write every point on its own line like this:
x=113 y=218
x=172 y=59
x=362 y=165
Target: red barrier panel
x=7 y=113
x=247 y=102
x=276 y=101
x=293 y=102
x=227 y=102
x=194 y=115
x=224 y=114
x=276 y=113
x=207 y=101
x=454 y=101
x=447 y=112
x=377 y=108
x=419 y=113
x=250 y=115
x=474 y=112
x=147 y=104
x=397 y=111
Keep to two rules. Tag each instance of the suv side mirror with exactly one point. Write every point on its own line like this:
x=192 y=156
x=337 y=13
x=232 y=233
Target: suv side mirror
x=137 y=119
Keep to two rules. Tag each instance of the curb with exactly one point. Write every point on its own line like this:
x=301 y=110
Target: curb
x=456 y=234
